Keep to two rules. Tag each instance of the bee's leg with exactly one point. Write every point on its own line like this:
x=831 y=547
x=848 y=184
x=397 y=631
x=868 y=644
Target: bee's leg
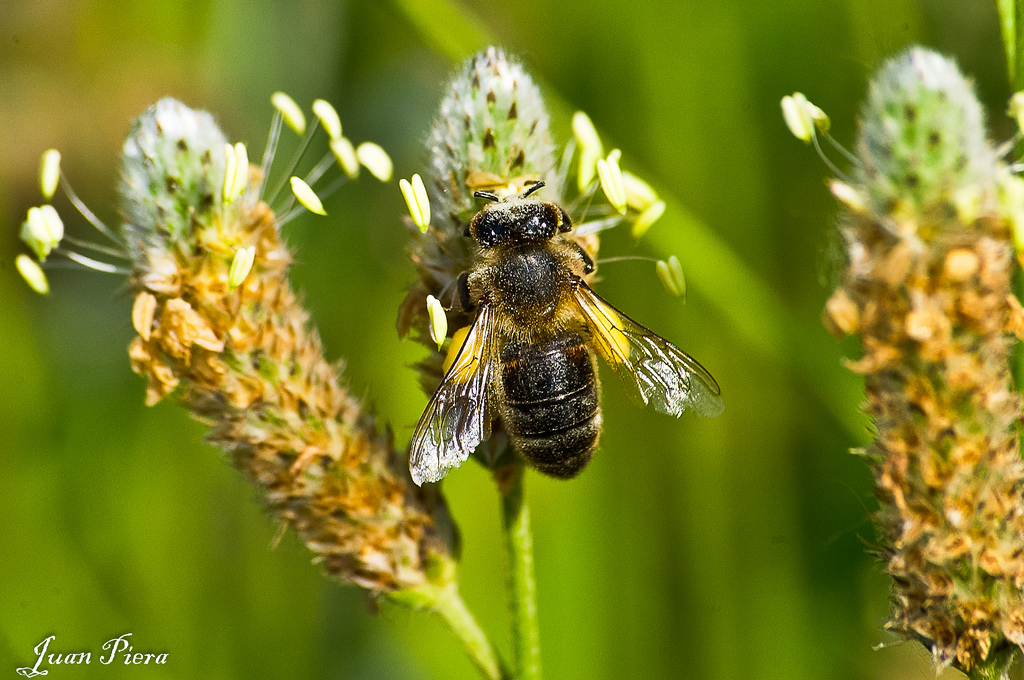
x=462 y=289
x=588 y=263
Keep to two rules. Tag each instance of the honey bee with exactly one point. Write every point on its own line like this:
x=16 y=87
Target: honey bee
x=529 y=355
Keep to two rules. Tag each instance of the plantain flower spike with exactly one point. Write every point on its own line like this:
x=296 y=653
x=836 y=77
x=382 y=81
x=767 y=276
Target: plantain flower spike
x=249 y=361
x=927 y=288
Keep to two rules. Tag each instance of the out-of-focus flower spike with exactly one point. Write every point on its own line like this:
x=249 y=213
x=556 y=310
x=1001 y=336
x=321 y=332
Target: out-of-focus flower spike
x=228 y=191
x=610 y=174
x=307 y=197
x=346 y=155
x=328 y=117
x=290 y=111
x=1011 y=207
x=376 y=160
x=671 y=275
x=49 y=172
x=416 y=198
x=32 y=273
x=647 y=218
x=802 y=117
x=438 y=320
x=241 y=179
x=241 y=265
x=1015 y=109
x=591 y=148
x=42 y=230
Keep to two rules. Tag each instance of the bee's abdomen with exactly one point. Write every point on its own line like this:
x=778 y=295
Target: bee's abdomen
x=550 y=407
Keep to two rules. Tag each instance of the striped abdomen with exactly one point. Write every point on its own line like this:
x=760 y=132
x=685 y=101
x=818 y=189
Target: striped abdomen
x=550 y=403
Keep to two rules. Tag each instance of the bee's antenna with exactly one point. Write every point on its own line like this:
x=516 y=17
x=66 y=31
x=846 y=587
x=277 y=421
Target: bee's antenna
x=486 y=194
x=534 y=187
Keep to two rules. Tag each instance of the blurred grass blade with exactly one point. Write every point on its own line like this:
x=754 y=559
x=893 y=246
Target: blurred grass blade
x=449 y=29
x=1010 y=24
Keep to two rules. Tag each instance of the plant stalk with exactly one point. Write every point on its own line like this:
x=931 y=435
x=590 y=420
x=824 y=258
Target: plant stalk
x=522 y=583
x=448 y=604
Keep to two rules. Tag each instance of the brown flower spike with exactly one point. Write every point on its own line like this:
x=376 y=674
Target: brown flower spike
x=247 y=361
x=927 y=288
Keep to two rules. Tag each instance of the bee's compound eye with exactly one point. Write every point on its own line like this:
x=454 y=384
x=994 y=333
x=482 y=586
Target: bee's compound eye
x=488 y=228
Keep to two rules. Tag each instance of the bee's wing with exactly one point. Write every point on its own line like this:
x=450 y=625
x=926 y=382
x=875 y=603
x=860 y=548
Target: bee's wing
x=653 y=370
x=455 y=421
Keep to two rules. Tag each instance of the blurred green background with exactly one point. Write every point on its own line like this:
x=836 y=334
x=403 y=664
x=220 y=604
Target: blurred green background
x=726 y=548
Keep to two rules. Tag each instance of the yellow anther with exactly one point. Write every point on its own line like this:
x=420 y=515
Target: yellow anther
x=671 y=275
x=645 y=219
x=438 y=320
x=240 y=266
x=346 y=156
x=376 y=160
x=49 y=172
x=328 y=117
x=417 y=200
x=290 y=111
x=32 y=273
x=307 y=197
x=610 y=174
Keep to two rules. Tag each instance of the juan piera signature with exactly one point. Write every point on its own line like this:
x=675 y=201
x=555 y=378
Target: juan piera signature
x=114 y=649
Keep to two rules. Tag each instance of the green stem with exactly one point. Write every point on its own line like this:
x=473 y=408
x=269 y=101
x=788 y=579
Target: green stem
x=450 y=607
x=522 y=584
x=444 y=601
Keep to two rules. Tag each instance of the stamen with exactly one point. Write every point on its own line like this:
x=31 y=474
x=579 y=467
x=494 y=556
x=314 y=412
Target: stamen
x=106 y=250
x=647 y=218
x=610 y=174
x=376 y=160
x=417 y=200
x=346 y=155
x=91 y=263
x=32 y=273
x=306 y=196
x=438 y=320
x=270 y=150
x=290 y=169
x=290 y=110
x=591 y=149
x=671 y=275
x=85 y=212
x=328 y=117
x=49 y=172
x=240 y=266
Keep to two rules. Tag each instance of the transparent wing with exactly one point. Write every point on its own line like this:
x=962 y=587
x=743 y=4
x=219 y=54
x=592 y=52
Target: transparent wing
x=455 y=420
x=653 y=370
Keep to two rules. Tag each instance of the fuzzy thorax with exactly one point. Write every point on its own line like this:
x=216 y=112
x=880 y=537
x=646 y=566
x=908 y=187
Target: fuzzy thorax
x=927 y=288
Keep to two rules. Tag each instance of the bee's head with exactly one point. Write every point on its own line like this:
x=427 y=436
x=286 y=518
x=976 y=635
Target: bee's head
x=517 y=220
